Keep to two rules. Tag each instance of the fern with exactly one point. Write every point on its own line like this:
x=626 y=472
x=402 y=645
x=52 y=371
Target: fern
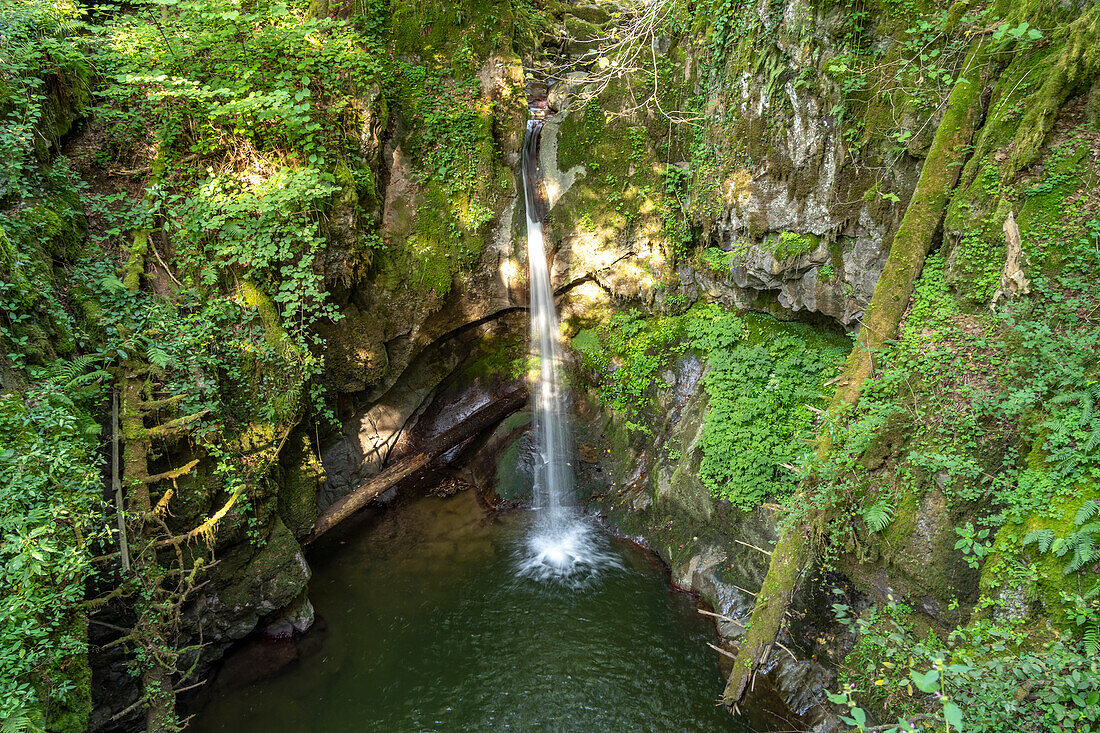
x=1092 y=638
x=879 y=515
x=158 y=357
x=1088 y=510
x=1043 y=538
x=1088 y=402
x=1089 y=399
x=19 y=723
x=1084 y=552
x=67 y=371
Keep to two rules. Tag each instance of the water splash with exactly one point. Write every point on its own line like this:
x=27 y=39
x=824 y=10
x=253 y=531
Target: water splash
x=562 y=542
x=571 y=551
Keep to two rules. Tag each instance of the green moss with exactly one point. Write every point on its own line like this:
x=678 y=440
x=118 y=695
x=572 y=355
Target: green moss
x=301 y=476
x=904 y=524
x=511 y=481
x=1044 y=202
x=792 y=244
x=503 y=358
x=587 y=342
x=270 y=390
x=274 y=333
x=1076 y=58
x=462 y=32
x=1043 y=577
x=58 y=227
x=69 y=713
x=37 y=241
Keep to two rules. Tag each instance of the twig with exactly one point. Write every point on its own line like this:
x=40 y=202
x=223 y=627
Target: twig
x=720 y=616
x=178 y=690
x=139 y=703
x=746 y=544
x=787 y=650
x=104 y=624
x=721 y=651
x=163 y=263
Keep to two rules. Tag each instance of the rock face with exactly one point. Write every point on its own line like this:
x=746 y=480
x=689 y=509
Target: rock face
x=252 y=584
x=712 y=549
x=792 y=219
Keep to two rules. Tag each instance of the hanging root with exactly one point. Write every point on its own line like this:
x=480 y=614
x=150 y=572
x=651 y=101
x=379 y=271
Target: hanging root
x=207 y=529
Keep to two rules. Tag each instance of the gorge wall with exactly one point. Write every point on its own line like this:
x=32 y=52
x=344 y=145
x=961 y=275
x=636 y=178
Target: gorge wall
x=702 y=162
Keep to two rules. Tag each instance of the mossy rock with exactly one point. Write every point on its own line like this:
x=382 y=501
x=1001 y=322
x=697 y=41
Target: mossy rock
x=434 y=31
x=789 y=245
x=1049 y=584
x=300 y=477
x=356 y=356
x=581 y=36
x=36 y=241
x=514 y=477
x=255 y=580
x=919 y=555
x=68 y=94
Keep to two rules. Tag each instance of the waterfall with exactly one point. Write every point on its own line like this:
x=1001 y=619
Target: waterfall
x=562 y=542
x=553 y=472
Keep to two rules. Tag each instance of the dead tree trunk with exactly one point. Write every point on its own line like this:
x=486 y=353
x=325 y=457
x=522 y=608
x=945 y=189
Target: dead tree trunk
x=409 y=466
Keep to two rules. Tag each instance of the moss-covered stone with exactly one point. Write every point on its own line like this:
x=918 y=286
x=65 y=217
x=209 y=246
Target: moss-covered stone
x=792 y=244
x=299 y=477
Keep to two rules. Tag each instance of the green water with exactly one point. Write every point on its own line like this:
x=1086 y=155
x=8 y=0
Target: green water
x=431 y=629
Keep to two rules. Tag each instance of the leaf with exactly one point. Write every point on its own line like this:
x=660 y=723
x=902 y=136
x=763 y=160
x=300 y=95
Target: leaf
x=1043 y=538
x=926 y=682
x=879 y=516
x=953 y=715
x=1088 y=510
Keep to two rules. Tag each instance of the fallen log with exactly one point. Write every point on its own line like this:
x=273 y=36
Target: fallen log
x=414 y=463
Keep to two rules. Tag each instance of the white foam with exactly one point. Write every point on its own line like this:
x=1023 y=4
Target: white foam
x=569 y=549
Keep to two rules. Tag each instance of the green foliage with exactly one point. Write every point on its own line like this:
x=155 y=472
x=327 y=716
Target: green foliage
x=758 y=389
x=792 y=244
x=1081 y=545
x=984 y=678
x=716 y=260
x=53 y=517
x=995 y=410
x=973 y=543
x=626 y=353
x=1088 y=510
x=36 y=53
x=266 y=91
x=761 y=375
x=255 y=76
x=42 y=87
x=878 y=516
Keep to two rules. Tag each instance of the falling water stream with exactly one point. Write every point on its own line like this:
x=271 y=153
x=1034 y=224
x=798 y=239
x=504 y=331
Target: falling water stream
x=563 y=542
